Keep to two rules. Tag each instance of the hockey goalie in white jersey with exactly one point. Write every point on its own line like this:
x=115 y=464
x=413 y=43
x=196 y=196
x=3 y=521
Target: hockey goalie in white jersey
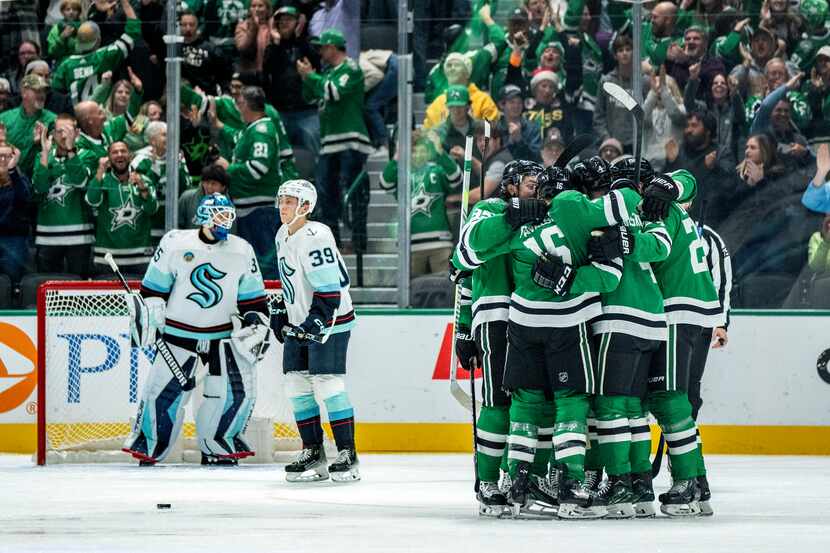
x=204 y=294
x=314 y=322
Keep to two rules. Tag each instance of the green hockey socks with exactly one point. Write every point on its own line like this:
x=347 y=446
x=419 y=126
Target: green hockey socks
x=570 y=433
x=492 y=426
x=674 y=414
x=613 y=433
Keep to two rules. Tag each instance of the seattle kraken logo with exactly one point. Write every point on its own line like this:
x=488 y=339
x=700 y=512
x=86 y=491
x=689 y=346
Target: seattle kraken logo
x=287 y=288
x=203 y=279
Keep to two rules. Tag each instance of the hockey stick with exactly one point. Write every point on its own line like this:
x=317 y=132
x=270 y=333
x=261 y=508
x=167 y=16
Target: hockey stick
x=161 y=345
x=636 y=110
x=579 y=143
x=455 y=388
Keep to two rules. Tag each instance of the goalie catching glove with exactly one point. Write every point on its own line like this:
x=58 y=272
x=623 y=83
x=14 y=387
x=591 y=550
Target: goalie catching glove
x=249 y=337
x=146 y=317
x=520 y=212
x=552 y=273
x=658 y=196
x=465 y=348
x=614 y=242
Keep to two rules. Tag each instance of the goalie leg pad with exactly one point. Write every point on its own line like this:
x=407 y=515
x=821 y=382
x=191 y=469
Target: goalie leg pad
x=332 y=388
x=300 y=390
x=228 y=401
x=161 y=411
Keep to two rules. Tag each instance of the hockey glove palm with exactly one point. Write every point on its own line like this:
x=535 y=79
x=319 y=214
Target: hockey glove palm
x=249 y=337
x=520 y=212
x=465 y=348
x=658 y=196
x=613 y=242
x=554 y=274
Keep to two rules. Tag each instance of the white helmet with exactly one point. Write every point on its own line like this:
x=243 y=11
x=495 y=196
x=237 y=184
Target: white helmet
x=301 y=189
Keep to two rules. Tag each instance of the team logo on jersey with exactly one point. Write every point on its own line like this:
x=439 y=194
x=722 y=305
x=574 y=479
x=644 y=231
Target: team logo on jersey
x=188 y=257
x=208 y=292
x=127 y=214
x=422 y=201
x=57 y=192
x=285 y=273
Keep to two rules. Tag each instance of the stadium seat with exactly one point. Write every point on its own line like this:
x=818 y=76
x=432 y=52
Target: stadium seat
x=5 y=292
x=763 y=291
x=431 y=291
x=29 y=285
x=820 y=294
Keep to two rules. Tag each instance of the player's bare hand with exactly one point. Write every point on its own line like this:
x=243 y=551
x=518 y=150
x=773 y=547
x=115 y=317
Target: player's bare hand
x=719 y=338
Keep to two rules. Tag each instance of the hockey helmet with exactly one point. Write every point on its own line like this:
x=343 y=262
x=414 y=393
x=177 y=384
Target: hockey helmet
x=216 y=212
x=591 y=175
x=553 y=181
x=301 y=189
x=514 y=172
x=626 y=168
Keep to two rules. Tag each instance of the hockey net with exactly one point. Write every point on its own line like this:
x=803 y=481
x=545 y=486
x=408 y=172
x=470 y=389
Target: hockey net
x=90 y=382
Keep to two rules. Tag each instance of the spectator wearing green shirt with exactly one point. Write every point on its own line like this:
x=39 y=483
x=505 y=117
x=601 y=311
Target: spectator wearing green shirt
x=23 y=121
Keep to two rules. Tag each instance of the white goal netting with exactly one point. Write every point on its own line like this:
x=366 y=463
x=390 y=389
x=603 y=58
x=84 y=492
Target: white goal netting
x=92 y=381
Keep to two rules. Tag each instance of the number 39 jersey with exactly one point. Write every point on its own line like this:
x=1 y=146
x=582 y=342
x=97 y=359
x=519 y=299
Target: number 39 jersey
x=314 y=277
x=689 y=296
x=204 y=284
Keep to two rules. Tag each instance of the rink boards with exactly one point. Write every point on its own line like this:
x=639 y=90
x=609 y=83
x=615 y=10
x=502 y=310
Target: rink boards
x=767 y=393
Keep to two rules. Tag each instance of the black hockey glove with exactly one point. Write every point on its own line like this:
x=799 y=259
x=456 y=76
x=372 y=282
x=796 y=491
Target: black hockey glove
x=465 y=348
x=614 y=242
x=457 y=276
x=298 y=334
x=554 y=274
x=520 y=212
x=658 y=196
x=279 y=319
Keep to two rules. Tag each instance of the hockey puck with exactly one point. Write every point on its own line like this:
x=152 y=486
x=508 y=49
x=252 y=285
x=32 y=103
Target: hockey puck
x=163 y=505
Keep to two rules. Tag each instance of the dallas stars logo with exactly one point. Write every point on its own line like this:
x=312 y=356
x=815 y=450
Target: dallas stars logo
x=127 y=214
x=422 y=201
x=57 y=192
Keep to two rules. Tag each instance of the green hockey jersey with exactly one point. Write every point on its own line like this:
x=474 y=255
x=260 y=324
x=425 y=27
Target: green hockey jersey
x=154 y=169
x=805 y=52
x=19 y=130
x=484 y=248
x=79 y=73
x=63 y=218
x=229 y=115
x=92 y=149
x=339 y=93
x=800 y=108
x=635 y=307
x=254 y=171
x=565 y=233
x=124 y=220
x=429 y=187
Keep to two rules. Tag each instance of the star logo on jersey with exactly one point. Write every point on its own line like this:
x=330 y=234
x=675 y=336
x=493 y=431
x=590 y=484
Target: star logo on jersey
x=57 y=192
x=422 y=201
x=127 y=214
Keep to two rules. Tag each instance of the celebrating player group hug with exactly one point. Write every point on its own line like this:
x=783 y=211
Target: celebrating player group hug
x=204 y=294
x=585 y=293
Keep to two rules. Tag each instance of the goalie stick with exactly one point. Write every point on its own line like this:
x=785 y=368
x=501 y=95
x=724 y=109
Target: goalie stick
x=161 y=345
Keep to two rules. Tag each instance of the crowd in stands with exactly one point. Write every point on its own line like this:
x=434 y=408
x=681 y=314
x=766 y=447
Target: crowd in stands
x=735 y=91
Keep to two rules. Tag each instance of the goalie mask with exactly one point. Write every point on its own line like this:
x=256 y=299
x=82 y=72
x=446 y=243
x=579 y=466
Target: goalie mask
x=514 y=173
x=217 y=213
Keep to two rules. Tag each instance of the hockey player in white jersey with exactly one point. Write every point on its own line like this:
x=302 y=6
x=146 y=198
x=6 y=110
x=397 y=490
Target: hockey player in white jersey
x=204 y=294
x=314 y=321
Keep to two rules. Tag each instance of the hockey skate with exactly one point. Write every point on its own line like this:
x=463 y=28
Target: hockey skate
x=642 y=495
x=705 y=495
x=346 y=468
x=213 y=461
x=617 y=496
x=577 y=501
x=491 y=501
x=681 y=499
x=310 y=466
x=517 y=494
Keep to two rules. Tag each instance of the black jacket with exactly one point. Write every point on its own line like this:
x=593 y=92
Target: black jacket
x=284 y=85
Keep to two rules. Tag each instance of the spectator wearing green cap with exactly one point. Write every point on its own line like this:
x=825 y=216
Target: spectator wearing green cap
x=458 y=125
x=458 y=68
x=26 y=123
x=339 y=15
x=344 y=139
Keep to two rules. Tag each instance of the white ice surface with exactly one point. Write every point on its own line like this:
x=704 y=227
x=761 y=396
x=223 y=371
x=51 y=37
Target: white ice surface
x=420 y=503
